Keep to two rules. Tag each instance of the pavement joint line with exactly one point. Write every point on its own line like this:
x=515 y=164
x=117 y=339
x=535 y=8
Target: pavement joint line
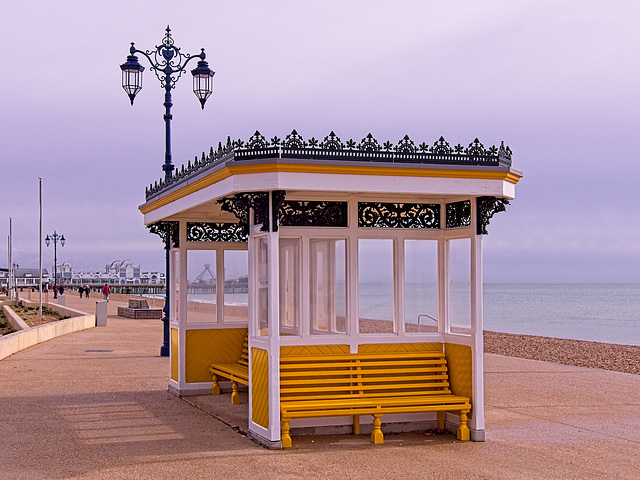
x=235 y=428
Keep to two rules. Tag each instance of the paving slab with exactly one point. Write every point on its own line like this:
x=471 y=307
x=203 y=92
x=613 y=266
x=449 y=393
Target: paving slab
x=94 y=405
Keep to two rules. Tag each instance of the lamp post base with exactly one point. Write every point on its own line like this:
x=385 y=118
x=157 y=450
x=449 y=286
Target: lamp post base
x=164 y=349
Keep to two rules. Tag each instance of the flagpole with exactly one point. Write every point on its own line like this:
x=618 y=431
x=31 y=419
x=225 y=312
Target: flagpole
x=40 y=244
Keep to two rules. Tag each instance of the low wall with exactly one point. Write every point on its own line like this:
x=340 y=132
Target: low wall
x=14 y=320
x=61 y=310
x=14 y=342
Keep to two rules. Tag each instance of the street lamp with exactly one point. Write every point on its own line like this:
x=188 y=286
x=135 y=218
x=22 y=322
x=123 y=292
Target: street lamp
x=55 y=237
x=13 y=282
x=168 y=63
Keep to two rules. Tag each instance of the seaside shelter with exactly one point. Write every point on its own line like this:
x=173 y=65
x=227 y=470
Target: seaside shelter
x=317 y=250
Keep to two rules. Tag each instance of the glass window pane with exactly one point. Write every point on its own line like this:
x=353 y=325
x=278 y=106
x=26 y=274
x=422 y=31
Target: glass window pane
x=289 y=288
x=460 y=285
x=236 y=286
x=328 y=291
x=201 y=286
x=375 y=285
x=262 y=284
x=421 y=286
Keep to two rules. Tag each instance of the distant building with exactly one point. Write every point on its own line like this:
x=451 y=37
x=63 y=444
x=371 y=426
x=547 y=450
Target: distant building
x=119 y=272
x=25 y=277
x=65 y=272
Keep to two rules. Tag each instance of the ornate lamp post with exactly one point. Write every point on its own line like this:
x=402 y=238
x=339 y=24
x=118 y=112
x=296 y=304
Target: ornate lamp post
x=168 y=63
x=55 y=237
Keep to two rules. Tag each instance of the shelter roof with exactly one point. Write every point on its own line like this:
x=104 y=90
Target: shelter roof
x=333 y=165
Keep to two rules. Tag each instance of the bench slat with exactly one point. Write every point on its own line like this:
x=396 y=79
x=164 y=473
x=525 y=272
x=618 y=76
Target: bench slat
x=361 y=356
x=368 y=380
x=289 y=367
x=357 y=372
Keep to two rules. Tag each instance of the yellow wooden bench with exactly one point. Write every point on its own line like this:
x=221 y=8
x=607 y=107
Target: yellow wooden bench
x=237 y=372
x=367 y=384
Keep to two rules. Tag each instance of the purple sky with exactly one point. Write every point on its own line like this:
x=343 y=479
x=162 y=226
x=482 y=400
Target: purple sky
x=557 y=81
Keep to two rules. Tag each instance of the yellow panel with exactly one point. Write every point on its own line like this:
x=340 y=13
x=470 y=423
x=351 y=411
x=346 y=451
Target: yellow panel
x=460 y=375
x=400 y=347
x=260 y=387
x=174 y=354
x=314 y=350
x=204 y=347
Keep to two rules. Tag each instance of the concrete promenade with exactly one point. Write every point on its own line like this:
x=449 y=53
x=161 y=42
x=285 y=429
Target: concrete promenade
x=94 y=405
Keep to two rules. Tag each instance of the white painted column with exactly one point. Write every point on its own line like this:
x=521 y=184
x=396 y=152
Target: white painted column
x=274 y=328
x=180 y=275
x=220 y=278
x=398 y=285
x=476 y=423
x=353 y=314
x=444 y=307
x=253 y=314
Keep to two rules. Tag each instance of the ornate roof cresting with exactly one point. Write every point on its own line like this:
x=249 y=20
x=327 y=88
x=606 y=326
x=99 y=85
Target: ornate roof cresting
x=331 y=147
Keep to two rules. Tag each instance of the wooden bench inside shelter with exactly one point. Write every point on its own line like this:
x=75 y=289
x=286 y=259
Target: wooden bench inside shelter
x=237 y=372
x=139 y=308
x=367 y=384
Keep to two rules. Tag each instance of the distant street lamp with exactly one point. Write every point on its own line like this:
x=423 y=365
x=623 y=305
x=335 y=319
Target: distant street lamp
x=13 y=284
x=168 y=63
x=55 y=237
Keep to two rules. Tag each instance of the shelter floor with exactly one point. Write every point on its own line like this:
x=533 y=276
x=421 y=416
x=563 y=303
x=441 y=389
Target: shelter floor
x=94 y=404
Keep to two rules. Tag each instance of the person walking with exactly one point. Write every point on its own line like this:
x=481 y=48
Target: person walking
x=87 y=290
x=105 y=292
x=81 y=290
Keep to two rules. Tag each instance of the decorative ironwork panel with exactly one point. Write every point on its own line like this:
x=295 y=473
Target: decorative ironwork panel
x=487 y=208
x=313 y=214
x=406 y=145
x=166 y=231
x=240 y=203
x=332 y=142
x=399 y=215
x=294 y=140
x=215 y=232
x=459 y=214
x=277 y=200
x=256 y=142
x=369 y=144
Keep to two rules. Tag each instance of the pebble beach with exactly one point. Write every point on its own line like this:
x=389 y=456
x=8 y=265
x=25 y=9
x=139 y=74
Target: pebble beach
x=604 y=356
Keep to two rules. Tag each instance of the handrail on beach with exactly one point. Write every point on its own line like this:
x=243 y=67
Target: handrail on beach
x=428 y=316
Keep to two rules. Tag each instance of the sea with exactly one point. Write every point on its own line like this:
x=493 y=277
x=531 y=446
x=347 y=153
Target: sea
x=600 y=312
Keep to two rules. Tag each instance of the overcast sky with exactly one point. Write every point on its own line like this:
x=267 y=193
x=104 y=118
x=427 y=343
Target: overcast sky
x=556 y=80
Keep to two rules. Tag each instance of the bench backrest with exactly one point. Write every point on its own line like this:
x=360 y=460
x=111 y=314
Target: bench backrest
x=363 y=375
x=244 y=356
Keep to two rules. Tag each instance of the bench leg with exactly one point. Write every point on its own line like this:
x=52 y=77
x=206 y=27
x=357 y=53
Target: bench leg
x=441 y=416
x=356 y=424
x=235 y=396
x=463 y=429
x=215 y=388
x=285 y=437
x=376 y=436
